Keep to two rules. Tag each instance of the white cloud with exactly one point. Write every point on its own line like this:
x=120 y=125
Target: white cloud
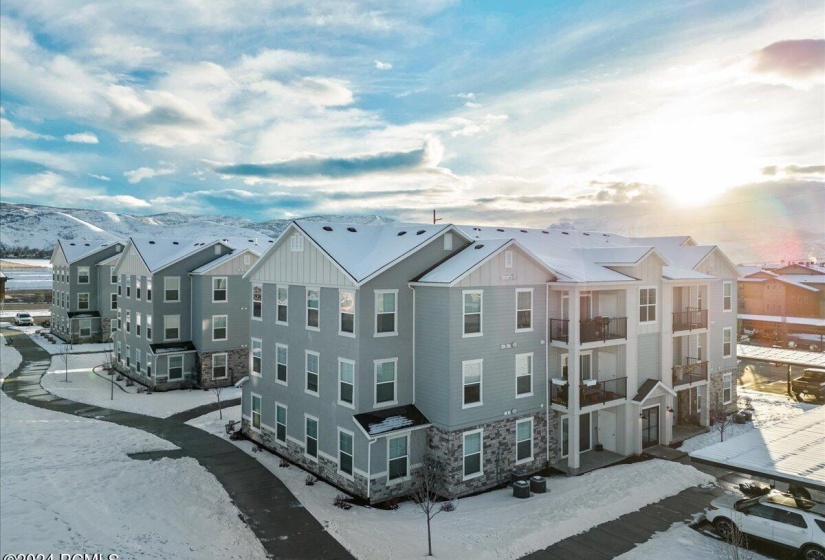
x=81 y=138
x=137 y=175
x=469 y=95
x=383 y=65
x=99 y=177
x=9 y=130
x=472 y=105
x=118 y=201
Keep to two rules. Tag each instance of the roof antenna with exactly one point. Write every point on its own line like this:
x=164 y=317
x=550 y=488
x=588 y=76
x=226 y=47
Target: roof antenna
x=435 y=219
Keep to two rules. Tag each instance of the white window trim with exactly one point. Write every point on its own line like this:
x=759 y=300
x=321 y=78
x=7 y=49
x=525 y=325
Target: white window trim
x=226 y=365
x=480 y=402
x=306 y=305
x=340 y=332
x=729 y=309
x=113 y=301
x=317 y=437
x=225 y=278
x=307 y=353
x=150 y=370
x=252 y=371
x=727 y=379
x=88 y=301
x=148 y=289
x=252 y=414
x=112 y=275
x=278 y=287
x=252 y=302
x=375 y=364
x=532 y=442
x=213 y=328
x=655 y=305
x=286 y=423
x=286 y=349
x=729 y=332
x=129 y=287
x=80 y=327
x=532 y=367
x=164 y=327
x=88 y=275
x=350 y=476
x=480 y=314
x=530 y=291
x=401 y=478
x=352 y=363
x=166 y=280
x=148 y=327
x=375 y=314
x=481 y=454
x=138 y=285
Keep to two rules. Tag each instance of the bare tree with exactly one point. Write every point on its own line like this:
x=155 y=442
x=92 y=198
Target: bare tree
x=63 y=356
x=734 y=544
x=720 y=420
x=428 y=491
x=217 y=392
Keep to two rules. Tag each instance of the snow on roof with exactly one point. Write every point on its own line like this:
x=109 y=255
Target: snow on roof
x=686 y=257
x=467 y=259
x=159 y=252
x=791 y=451
x=74 y=250
x=747 y=270
x=668 y=241
x=780 y=355
x=364 y=250
x=382 y=422
x=677 y=273
x=256 y=246
x=111 y=261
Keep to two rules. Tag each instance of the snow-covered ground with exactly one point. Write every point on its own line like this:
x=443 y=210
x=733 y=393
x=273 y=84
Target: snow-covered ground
x=59 y=347
x=681 y=542
x=7 y=264
x=9 y=358
x=491 y=525
x=95 y=388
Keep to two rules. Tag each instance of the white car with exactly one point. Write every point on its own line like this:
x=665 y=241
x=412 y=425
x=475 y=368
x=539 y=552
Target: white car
x=777 y=517
x=23 y=318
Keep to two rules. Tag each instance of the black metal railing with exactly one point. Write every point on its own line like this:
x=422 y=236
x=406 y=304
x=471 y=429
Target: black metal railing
x=692 y=371
x=691 y=318
x=558 y=329
x=598 y=393
x=590 y=330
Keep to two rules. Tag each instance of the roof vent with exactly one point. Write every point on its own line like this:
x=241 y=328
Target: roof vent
x=499 y=229
x=402 y=232
x=419 y=232
x=585 y=233
x=252 y=241
x=547 y=232
x=72 y=244
x=87 y=245
x=272 y=241
x=476 y=229
x=523 y=230
x=606 y=235
x=151 y=243
x=565 y=233
x=175 y=243
x=351 y=229
x=480 y=246
x=327 y=228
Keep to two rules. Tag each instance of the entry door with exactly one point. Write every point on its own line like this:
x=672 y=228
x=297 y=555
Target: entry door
x=607 y=429
x=650 y=426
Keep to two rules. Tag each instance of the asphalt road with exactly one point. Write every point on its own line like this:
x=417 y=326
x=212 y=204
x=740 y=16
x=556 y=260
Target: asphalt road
x=765 y=377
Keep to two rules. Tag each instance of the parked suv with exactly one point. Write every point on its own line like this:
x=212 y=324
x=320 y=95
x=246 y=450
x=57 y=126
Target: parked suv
x=811 y=382
x=23 y=318
x=777 y=517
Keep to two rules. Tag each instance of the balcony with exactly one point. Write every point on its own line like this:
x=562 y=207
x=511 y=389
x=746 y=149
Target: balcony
x=692 y=318
x=692 y=371
x=598 y=329
x=590 y=392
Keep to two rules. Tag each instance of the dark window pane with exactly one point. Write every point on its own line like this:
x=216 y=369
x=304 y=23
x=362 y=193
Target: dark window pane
x=524 y=384
x=281 y=432
x=347 y=322
x=472 y=394
x=312 y=317
x=472 y=323
x=524 y=450
x=386 y=322
x=346 y=463
x=385 y=392
x=398 y=468
x=282 y=313
x=523 y=320
x=472 y=464
x=281 y=372
x=312 y=382
x=346 y=393
x=312 y=447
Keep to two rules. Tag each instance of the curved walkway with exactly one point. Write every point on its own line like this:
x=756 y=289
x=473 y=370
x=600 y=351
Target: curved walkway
x=285 y=528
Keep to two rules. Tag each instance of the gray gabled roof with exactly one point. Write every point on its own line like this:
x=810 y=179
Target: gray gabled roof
x=80 y=249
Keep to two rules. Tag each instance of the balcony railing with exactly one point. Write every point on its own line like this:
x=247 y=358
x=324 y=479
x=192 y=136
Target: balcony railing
x=598 y=393
x=692 y=318
x=590 y=330
x=692 y=371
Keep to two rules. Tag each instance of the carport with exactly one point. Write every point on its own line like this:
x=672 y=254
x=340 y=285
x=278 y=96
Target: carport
x=781 y=356
x=792 y=451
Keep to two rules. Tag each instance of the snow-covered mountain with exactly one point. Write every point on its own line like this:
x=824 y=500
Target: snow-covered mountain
x=38 y=227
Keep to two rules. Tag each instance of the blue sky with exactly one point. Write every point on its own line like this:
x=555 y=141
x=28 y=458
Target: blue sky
x=513 y=112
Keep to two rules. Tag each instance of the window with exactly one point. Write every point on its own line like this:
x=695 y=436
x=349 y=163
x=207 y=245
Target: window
x=727 y=388
x=113 y=303
x=282 y=317
x=128 y=321
x=448 y=241
x=313 y=303
x=175 y=367
x=398 y=458
x=128 y=286
x=137 y=324
x=119 y=356
x=311 y=440
x=585 y=363
x=148 y=364
x=280 y=423
x=296 y=243
x=727 y=296
x=119 y=320
x=137 y=359
x=257 y=301
x=281 y=355
x=346 y=382
x=256 y=356
x=524 y=440
x=149 y=327
x=148 y=289
x=137 y=288
x=256 y=412
x=112 y=276
x=472 y=313
x=83 y=302
x=346 y=311
x=219 y=367
x=219 y=292
x=727 y=346
x=524 y=310
x=171 y=289
x=791 y=518
x=508 y=259
x=385 y=305
x=85 y=327
x=471 y=380
x=83 y=275
x=171 y=326
x=312 y=370
x=345 y=452
x=128 y=356
x=524 y=375
x=385 y=381
x=220 y=330
x=647 y=305
x=472 y=454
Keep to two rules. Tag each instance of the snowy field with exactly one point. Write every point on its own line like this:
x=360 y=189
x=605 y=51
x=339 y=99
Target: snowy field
x=681 y=542
x=92 y=388
x=8 y=264
x=9 y=358
x=491 y=525
x=27 y=274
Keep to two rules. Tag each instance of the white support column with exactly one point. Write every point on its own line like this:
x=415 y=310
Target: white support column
x=574 y=382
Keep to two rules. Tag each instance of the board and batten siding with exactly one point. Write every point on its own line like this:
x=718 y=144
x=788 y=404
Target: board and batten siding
x=311 y=266
x=649 y=360
x=649 y=272
x=716 y=265
x=131 y=264
x=525 y=271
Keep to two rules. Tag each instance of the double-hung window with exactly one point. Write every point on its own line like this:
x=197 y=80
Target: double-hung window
x=128 y=321
x=385 y=385
x=524 y=440
x=345 y=452
x=524 y=374
x=149 y=327
x=471 y=372
x=727 y=342
x=257 y=301
x=219 y=289
x=256 y=356
x=128 y=356
x=524 y=310
x=137 y=324
x=113 y=304
x=83 y=275
x=472 y=453
x=647 y=305
x=175 y=367
x=148 y=289
x=282 y=311
x=137 y=287
x=312 y=372
x=727 y=388
x=219 y=367
x=171 y=326
x=85 y=327
x=83 y=302
x=281 y=357
x=220 y=330
x=256 y=412
x=137 y=359
x=311 y=440
x=472 y=305
x=171 y=288
x=313 y=308
x=727 y=296
x=128 y=286
x=149 y=364
x=346 y=312
x=112 y=276
x=346 y=382
x=385 y=312
x=398 y=457
x=280 y=423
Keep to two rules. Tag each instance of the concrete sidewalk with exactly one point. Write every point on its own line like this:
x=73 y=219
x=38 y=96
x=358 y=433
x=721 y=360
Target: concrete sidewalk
x=285 y=528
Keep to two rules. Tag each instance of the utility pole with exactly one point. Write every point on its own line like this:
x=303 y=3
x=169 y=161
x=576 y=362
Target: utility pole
x=435 y=219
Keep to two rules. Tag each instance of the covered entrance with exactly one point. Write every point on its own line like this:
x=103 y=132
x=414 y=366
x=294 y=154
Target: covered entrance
x=650 y=426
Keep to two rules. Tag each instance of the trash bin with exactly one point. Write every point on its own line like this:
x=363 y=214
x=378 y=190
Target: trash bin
x=538 y=485
x=521 y=489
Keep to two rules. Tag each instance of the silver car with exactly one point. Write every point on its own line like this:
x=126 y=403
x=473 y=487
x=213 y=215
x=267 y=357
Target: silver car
x=23 y=318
